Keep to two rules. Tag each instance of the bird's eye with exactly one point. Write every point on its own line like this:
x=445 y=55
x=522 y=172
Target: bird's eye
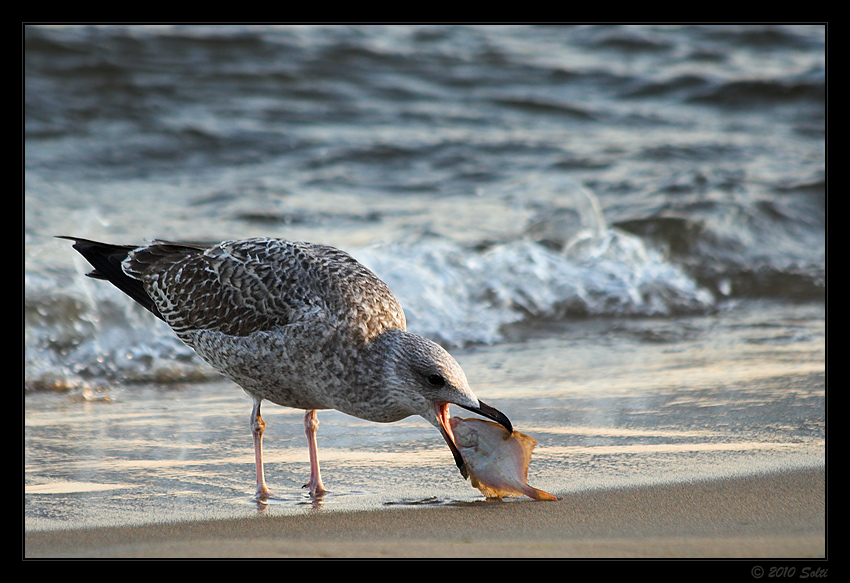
x=436 y=380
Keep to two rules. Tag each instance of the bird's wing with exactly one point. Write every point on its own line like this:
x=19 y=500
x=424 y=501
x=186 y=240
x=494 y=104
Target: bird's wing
x=241 y=287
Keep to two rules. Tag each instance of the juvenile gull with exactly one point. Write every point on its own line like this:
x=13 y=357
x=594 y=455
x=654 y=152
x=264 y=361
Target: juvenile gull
x=297 y=324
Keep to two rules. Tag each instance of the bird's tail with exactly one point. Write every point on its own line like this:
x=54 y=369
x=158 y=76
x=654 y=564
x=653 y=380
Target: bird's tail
x=106 y=260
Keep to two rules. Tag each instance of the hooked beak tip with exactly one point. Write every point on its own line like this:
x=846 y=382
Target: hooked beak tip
x=493 y=414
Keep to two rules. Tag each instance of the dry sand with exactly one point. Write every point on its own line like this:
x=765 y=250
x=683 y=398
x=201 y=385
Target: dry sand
x=779 y=515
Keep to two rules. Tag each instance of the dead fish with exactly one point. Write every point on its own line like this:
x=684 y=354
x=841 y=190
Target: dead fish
x=497 y=461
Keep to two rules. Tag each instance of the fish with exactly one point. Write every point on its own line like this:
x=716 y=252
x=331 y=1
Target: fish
x=496 y=459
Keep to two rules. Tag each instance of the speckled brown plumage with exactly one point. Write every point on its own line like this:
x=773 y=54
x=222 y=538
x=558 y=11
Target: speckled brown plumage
x=298 y=324
x=242 y=287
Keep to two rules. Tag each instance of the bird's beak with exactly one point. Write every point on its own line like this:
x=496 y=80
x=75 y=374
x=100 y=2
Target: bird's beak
x=491 y=413
x=442 y=412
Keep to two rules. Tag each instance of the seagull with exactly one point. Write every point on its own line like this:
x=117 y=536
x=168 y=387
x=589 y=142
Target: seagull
x=297 y=324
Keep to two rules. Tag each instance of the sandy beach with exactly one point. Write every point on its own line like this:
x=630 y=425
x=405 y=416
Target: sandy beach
x=779 y=515
x=720 y=455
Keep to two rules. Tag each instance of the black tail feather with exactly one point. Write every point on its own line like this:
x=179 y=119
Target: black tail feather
x=106 y=260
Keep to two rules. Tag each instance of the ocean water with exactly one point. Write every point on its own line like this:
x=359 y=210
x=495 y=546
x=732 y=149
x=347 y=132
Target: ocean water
x=620 y=231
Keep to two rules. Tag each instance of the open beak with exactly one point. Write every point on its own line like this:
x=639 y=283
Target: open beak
x=442 y=412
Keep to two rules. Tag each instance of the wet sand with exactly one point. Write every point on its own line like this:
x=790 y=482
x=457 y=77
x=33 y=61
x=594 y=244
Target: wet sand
x=776 y=515
x=711 y=446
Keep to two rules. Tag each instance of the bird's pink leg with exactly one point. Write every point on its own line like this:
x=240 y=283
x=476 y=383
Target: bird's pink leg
x=258 y=426
x=311 y=424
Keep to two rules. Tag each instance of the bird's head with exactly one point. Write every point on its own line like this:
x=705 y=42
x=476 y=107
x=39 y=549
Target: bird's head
x=431 y=380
